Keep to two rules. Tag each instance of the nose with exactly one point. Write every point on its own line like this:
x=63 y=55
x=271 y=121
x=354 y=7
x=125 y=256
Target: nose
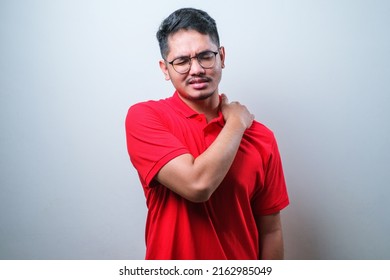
x=195 y=67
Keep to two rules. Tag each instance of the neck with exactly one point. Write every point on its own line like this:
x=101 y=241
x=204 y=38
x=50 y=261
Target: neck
x=209 y=106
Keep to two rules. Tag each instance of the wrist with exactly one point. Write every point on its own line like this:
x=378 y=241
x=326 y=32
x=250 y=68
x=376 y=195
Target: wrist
x=236 y=124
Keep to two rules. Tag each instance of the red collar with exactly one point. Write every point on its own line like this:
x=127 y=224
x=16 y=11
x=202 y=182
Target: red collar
x=188 y=112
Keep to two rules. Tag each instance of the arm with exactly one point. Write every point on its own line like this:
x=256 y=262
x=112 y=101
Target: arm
x=197 y=178
x=270 y=237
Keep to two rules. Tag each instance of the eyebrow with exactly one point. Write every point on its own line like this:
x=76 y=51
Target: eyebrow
x=187 y=56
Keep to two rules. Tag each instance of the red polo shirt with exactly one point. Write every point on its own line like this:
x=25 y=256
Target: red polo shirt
x=224 y=226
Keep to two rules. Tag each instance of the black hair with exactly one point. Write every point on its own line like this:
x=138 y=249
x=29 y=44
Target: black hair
x=186 y=19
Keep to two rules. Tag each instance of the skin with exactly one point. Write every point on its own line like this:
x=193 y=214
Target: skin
x=197 y=178
x=271 y=245
x=201 y=96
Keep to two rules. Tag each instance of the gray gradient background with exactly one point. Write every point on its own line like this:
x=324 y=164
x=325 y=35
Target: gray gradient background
x=316 y=72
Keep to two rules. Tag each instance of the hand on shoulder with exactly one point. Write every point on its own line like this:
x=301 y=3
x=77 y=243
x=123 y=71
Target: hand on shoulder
x=235 y=111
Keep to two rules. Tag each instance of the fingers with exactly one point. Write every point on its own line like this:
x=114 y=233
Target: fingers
x=224 y=99
x=236 y=111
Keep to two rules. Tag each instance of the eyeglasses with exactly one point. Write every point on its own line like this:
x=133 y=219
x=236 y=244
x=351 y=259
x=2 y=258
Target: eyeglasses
x=182 y=65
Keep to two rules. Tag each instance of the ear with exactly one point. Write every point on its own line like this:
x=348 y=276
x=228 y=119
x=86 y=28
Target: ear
x=222 y=55
x=164 y=69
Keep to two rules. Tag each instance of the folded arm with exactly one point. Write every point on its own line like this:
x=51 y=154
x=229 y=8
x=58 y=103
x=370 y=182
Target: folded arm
x=197 y=178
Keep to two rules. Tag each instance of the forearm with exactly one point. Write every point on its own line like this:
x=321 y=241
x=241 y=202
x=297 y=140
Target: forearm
x=197 y=178
x=211 y=167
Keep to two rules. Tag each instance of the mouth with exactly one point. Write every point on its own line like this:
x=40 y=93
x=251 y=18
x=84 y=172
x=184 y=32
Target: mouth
x=198 y=83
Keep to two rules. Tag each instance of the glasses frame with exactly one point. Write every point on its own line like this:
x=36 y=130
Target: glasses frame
x=190 y=61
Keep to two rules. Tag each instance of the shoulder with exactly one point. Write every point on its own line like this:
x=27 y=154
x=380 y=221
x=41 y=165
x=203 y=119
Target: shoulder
x=145 y=107
x=142 y=115
x=146 y=110
x=261 y=133
x=262 y=139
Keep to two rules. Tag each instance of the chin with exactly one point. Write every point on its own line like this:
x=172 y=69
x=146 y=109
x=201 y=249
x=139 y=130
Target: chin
x=200 y=95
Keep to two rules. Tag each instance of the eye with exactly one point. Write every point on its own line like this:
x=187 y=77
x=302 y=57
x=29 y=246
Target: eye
x=180 y=61
x=206 y=56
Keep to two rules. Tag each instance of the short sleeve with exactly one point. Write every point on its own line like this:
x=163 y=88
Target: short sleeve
x=272 y=196
x=150 y=144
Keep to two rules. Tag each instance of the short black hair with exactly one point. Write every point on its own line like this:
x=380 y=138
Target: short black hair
x=186 y=19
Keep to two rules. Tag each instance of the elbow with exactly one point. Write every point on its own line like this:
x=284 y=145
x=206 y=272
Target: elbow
x=200 y=193
x=199 y=198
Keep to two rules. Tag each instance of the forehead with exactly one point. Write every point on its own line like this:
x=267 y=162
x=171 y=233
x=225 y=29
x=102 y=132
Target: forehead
x=188 y=42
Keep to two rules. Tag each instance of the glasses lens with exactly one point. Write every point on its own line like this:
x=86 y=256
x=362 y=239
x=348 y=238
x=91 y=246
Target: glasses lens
x=181 y=65
x=206 y=59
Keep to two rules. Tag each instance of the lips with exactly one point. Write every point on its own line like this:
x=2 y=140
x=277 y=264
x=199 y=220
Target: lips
x=198 y=83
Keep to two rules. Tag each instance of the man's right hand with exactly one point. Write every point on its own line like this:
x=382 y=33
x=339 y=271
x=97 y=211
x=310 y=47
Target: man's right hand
x=234 y=111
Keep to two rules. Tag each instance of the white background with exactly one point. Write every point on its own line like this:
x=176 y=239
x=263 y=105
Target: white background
x=316 y=72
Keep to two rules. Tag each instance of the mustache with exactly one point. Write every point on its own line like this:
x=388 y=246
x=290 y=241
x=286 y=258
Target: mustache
x=198 y=79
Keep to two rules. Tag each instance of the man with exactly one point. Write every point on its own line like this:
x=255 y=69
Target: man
x=212 y=176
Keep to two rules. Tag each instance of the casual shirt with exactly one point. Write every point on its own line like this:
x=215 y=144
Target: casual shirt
x=223 y=227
